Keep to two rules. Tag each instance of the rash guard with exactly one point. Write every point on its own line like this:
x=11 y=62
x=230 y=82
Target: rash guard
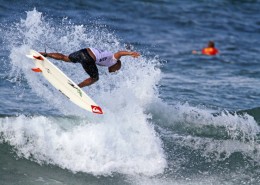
x=103 y=58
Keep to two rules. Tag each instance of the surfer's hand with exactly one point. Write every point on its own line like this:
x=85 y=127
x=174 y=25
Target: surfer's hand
x=119 y=54
x=43 y=54
x=135 y=54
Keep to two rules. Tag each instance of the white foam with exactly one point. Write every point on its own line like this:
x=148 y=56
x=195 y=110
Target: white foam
x=231 y=133
x=121 y=140
x=125 y=145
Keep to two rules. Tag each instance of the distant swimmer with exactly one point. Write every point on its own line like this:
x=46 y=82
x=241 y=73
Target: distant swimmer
x=210 y=50
x=89 y=58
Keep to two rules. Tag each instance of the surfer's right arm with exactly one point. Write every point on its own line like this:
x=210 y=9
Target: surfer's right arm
x=56 y=56
x=133 y=54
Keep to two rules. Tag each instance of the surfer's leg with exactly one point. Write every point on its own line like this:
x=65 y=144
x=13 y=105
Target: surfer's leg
x=92 y=70
x=90 y=67
x=87 y=82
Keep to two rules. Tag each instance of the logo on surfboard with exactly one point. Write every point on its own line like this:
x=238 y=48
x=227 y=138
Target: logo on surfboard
x=96 y=109
x=78 y=90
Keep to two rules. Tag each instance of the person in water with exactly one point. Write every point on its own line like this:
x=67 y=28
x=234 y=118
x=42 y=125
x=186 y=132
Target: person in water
x=89 y=58
x=209 y=50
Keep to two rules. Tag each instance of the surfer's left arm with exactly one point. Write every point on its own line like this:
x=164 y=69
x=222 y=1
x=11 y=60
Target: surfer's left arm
x=56 y=56
x=133 y=54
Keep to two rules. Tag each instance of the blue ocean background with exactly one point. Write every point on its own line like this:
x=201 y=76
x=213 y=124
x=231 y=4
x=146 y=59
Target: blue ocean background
x=171 y=117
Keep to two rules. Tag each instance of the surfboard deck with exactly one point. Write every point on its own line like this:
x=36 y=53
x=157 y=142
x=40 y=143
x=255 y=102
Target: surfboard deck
x=63 y=83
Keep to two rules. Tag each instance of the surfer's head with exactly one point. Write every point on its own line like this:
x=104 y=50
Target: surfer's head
x=115 y=67
x=211 y=44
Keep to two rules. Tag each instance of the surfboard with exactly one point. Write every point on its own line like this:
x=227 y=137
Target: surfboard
x=63 y=83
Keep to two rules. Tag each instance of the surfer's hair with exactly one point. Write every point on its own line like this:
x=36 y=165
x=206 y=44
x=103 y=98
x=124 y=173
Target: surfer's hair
x=115 y=67
x=211 y=44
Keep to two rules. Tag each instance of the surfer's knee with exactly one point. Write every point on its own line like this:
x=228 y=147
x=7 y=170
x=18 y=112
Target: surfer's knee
x=96 y=78
x=91 y=81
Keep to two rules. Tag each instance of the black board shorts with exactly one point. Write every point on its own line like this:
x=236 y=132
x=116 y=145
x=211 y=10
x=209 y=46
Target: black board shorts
x=82 y=56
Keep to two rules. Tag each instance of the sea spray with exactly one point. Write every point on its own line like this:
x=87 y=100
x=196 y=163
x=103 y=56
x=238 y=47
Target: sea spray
x=122 y=140
x=99 y=149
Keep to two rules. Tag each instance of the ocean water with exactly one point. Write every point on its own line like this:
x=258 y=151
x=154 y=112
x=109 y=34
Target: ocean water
x=171 y=117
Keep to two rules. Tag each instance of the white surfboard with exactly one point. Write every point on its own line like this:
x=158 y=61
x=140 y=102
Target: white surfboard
x=63 y=83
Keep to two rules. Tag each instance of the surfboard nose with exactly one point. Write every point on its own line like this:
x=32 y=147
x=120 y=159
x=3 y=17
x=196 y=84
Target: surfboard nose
x=96 y=109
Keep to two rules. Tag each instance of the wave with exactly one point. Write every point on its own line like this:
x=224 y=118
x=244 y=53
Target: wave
x=84 y=146
x=138 y=134
x=215 y=136
x=120 y=141
x=255 y=112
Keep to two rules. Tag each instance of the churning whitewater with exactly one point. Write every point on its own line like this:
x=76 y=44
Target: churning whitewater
x=171 y=117
x=94 y=144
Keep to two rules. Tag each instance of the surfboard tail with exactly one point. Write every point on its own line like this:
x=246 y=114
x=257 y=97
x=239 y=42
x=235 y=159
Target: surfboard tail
x=96 y=109
x=37 y=70
x=38 y=57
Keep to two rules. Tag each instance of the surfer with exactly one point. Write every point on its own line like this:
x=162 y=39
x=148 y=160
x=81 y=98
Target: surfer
x=90 y=58
x=209 y=50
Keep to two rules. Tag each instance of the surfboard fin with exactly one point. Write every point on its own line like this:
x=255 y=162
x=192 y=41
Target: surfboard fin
x=37 y=70
x=38 y=57
x=96 y=109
